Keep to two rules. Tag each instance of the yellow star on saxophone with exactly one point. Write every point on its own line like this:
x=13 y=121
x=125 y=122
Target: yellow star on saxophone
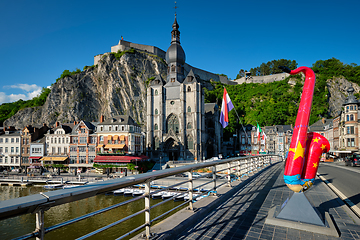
x=323 y=146
x=315 y=165
x=316 y=140
x=299 y=151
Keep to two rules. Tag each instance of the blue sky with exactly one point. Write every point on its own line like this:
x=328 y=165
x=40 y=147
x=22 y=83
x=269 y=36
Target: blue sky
x=40 y=39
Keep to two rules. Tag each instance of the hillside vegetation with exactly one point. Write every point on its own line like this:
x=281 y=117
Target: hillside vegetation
x=277 y=103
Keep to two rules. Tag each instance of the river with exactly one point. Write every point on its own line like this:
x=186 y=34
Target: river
x=21 y=225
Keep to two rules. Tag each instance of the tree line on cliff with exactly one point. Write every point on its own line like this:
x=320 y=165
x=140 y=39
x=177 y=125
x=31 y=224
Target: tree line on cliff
x=268 y=104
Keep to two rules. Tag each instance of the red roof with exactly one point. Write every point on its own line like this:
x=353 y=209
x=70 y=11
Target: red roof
x=124 y=159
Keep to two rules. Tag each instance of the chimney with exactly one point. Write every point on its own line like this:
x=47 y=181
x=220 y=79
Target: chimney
x=323 y=120
x=57 y=124
x=102 y=118
x=74 y=123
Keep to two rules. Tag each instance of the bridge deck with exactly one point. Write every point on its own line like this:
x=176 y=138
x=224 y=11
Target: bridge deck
x=243 y=215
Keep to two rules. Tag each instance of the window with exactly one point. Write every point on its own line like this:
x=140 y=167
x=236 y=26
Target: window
x=156 y=112
x=189 y=126
x=54 y=140
x=351 y=108
x=157 y=143
x=156 y=126
x=173 y=123
x=156 y=92
x=351 y=117
x=73 y=149
x=122 y=128
x=17 y=160
x=63 y=140
x=6 y=159
x=189 y=109
x=355 y=107
x=109 y=140
x=101 y=138
x=1 y=149
x=51 y=140
x=116 y=128
x=6 y=140
x=12 y=160
x=351 y=142
x=65 y=150
x=53 y=150
x=6 y=149
x=110 y=128
x=17 y=149
x=17 y=140
x=190 y=142
x=1 y=140
x=59 y=150
x=67 y=140
x=347 y=109
x=83 y=140
x=75 y=140
x=22 y=150
x=12 y=140
x=347 y=118
x=101 y=128
x=91 y=149
x=35 y=150
x=172 y=79
x=82 y=159
x=189 y=89
x=0 y=159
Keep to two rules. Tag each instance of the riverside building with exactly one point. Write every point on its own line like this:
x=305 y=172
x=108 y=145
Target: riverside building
x=10 y=149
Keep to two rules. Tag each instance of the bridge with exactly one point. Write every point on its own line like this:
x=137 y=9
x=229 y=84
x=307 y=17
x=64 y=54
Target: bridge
x=234 y=209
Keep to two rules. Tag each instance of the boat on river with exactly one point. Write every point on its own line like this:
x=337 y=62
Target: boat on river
x=53 y=186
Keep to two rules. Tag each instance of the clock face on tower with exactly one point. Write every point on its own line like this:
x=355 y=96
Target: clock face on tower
x=248 y=128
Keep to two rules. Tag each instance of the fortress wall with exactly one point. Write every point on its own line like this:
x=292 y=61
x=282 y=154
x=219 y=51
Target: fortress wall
x=262 y=79
x=125 y=45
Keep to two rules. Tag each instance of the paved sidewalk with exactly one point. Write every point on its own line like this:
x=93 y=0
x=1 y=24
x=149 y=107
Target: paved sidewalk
x=243 y=215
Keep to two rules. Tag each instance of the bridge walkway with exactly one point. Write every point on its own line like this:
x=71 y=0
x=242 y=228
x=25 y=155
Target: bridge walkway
x=242 y=216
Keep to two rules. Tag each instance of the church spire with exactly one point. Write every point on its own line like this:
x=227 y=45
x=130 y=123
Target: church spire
x=175 y=33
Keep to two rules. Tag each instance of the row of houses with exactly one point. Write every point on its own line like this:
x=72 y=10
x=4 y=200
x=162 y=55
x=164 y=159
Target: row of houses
x=78 y=145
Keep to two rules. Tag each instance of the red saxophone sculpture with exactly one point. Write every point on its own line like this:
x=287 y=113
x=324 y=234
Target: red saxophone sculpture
x=305 y=148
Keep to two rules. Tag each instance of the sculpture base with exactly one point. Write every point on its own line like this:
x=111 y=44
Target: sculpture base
x=299 y=214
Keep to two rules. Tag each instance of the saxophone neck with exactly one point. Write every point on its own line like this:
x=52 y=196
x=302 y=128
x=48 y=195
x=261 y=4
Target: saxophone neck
x=309 y=73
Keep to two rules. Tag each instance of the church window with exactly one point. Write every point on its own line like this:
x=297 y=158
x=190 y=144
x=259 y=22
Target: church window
x=189 y=126
x=190 y=142
x=156 y=112
x=156 y=126
x=189 y=89
x=172 y=102
x=173 y=123
x=189 y=109
x=173 y=68
x=156 y=92
x=157 y=143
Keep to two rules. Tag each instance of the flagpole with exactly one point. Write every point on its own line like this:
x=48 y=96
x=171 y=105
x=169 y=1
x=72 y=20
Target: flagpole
x=239 y=119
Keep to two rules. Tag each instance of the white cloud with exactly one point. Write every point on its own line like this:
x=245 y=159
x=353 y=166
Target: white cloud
x=30 y=91
x=26 y=87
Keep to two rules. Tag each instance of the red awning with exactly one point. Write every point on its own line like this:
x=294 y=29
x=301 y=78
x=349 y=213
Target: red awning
x=35 y=157
x=124 y=159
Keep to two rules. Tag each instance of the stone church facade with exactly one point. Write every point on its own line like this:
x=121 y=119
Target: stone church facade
x=176 y=112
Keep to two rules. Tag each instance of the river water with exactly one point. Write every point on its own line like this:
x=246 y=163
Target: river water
x=18 y=226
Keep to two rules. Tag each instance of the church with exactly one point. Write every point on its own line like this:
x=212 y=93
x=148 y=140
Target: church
x=180 y=126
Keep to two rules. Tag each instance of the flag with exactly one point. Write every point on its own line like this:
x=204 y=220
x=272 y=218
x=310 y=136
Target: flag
x=258 y=131
x=264 y=136
x=226 y=107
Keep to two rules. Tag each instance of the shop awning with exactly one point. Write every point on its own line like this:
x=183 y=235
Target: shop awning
x=122 y=138
x=117 y=146
x=54 y=158
x=124 y=159
x=100 y=146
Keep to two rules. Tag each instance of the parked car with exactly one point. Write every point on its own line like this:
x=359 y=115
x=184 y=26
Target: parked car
x=353 y=160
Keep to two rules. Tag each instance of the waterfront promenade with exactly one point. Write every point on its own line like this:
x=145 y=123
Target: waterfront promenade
x=241 y=214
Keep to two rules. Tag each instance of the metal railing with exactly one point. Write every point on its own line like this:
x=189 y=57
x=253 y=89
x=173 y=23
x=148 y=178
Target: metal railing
x=234 y=168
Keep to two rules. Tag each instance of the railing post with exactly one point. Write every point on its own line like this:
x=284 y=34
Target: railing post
x=147 y=209
x=229 y=172
x=40 y=225
x=239 y=170
x=191 y=187
x=214 y=179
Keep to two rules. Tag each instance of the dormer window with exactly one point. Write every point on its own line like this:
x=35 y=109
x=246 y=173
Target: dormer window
x=189 y=89
x=156 y=92
x=172 y=79
x=190 y=78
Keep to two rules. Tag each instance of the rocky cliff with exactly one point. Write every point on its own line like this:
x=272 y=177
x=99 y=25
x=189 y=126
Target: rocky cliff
x=114 y=86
